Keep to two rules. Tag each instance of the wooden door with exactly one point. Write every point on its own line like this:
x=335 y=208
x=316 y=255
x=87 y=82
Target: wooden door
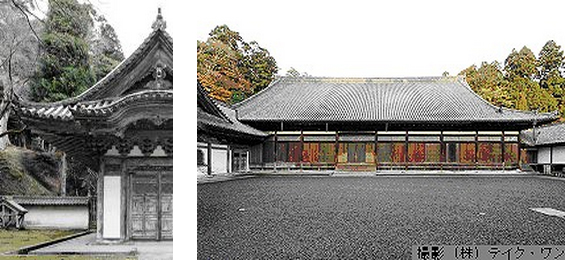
x=151 y=214
x=144 y=206
x=166 y=181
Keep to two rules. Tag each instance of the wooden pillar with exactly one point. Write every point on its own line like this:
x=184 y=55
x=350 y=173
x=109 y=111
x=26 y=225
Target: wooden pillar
x=376 y=150
x=503 y=151
x=551 y=160
x=209 y=158
x=301 y=147
x=406 y=150
x=336 y=148
x=476 y=150
x=519 y=152
x=228 y=161
x=63 y=174
x=275 y=153
x=442 y=157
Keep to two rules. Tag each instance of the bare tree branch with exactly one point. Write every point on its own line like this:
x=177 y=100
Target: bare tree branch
x=28 y=21
x=12 y=132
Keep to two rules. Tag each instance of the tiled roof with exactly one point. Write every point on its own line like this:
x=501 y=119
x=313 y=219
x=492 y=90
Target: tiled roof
x=49 y=200
x=68 y=112
x=428 y=99
x=211 y=113
x=545 y=135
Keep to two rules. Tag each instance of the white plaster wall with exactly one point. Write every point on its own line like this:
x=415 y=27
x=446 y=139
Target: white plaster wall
x=59 y=217
x=558 y=155
x=543 y=155
x=219 y=161
x=112 y=207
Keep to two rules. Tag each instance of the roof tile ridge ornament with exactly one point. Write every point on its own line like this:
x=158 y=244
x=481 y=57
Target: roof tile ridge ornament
x=159 y=23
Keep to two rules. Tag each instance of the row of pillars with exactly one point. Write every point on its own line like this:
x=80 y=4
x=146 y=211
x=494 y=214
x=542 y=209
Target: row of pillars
x=443 y=150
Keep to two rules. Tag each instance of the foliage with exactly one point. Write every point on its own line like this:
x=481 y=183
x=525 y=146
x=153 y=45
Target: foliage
x=64 y=69
x=232 y=69
x=525 y=82
x=550 y=64
x=79 y=48
x=105 y=47
x=292 y=72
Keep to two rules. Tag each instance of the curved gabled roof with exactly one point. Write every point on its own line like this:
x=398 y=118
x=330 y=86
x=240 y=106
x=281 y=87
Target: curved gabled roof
x=122 y=85
x=212 y=116
x=424 y=99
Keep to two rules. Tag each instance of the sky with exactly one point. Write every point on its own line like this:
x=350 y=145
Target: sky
x=386 y=38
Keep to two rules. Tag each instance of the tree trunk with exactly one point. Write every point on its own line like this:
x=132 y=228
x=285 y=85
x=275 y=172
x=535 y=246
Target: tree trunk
x=4 y=140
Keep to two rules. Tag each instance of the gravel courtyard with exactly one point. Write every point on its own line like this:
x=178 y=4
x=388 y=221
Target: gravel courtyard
x=372 y=217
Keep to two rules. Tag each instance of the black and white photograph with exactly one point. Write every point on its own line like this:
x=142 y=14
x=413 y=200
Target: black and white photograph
x=380 y=130
x=86 y=130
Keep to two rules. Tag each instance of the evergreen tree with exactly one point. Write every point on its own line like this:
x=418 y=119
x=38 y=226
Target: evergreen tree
x=550 y=63
x=520 y=64
x=105 y=48
x=65 y=63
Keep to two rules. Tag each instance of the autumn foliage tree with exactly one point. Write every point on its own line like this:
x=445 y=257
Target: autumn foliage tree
x=232 y=69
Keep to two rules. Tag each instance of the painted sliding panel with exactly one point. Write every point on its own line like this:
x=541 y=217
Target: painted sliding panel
x=342 y=153
x=511 y=153
x=467 y=153
x=282 y=152
x=370 y=153
x=356 y=152
x=416 y=152
x=311 y=152
x=384 y=152
x=432 y=153
x=461 y=153
x=489 y=153
x=398 y=152
x=294 y=154
x=327 y=152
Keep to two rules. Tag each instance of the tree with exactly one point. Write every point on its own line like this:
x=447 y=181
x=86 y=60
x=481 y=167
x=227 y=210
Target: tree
x=550 y=64
x=105 y=48
x=488 y=82
x=292 y=72
x=232 y=69
x=18 y=57
x=258 y=65
x=520 y=64
x=218 y=72
x=65 y=64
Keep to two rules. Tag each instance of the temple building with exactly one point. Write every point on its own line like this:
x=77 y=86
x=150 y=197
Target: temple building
x=123 y=127
x=368 y=124
x=223 y=142
x=545 y=147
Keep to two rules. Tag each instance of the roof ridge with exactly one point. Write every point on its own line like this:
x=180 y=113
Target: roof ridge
x=385 y=79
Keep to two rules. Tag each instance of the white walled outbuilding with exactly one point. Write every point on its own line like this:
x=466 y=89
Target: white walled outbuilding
x=54 y=212
x=56 y=217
